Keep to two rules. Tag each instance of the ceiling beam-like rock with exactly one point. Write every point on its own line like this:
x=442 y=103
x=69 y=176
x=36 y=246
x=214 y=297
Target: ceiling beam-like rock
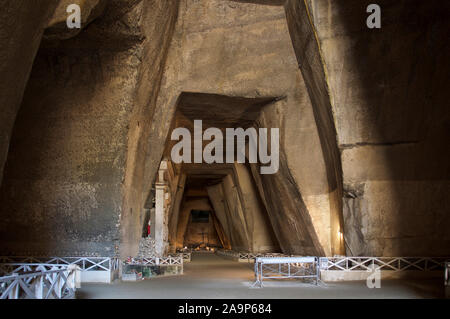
x=264 y=2
x=57 y=28
x=221 y=111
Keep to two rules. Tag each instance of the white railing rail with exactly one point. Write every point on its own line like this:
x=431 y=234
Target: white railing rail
x=227 y=253
x=10 y=268
x=447 y=273
x=156 y=261
x=286 y=268
x=250 y=257
x=85 y=263
x=115 y=264
x=185 y=255
x=40 y=282
x=382 y=263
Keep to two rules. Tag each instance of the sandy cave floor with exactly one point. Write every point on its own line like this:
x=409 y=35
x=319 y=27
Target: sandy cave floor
x=214 y=277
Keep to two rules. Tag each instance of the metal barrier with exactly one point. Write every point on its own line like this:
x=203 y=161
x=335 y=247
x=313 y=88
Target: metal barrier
x=285 y=268
x=94 y=269
x=228 y=253
x=248 y=257
x=447 y=280
x=141 y=268
x=10 y=268
x=39 y=281
x=251 y=257
x=382 y=263
x=186 y=256
x=156 y=261
x=85 y=263
x=447 y=274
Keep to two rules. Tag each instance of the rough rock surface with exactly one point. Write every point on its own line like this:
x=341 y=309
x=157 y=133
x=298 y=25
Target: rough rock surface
x=146 y=248
x=363 y=116
x=226 y=37
x=57 y=26
x=86 y=103
x=380 y=97
x=22 y=24
x=243 y=217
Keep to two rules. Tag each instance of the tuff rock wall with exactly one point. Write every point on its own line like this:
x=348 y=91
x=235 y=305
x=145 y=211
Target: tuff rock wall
x=363 y=118
x=70 y=183
x=244 y=50
x=380 y=102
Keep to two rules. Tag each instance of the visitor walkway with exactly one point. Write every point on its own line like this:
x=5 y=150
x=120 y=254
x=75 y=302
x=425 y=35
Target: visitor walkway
x=212 y=276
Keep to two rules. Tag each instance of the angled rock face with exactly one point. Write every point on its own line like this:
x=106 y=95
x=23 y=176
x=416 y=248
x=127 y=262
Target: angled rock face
x=22 y=24
x=243 y=217
x=100 y=92
x=373 y=92
x=243 y=50
x=83 y=112
x=86 y=117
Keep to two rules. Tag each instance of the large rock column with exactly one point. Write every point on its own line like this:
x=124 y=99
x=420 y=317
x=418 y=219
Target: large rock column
x=22 y=23
x=79 y=145
x=380 y=101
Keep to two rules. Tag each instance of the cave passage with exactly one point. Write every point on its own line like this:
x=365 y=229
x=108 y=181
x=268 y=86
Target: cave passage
x=85 y=144
x=201 y=232
x=245 y=215
x=215 y=205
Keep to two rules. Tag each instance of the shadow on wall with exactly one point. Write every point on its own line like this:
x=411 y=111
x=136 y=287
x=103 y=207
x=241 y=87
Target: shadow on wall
x=49 y=199
x=87 y=102
x=388 y=92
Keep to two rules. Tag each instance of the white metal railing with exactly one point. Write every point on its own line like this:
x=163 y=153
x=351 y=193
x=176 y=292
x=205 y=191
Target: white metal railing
x=10 y=268
x=185 y=255
x=228 y=253
x=250 y=257
x=382 y=263
x=447 y=274
x=40 y=281
x=85 y=263
x=156 y=261
x=285 y=268
x=94 y=269
x=344 y=263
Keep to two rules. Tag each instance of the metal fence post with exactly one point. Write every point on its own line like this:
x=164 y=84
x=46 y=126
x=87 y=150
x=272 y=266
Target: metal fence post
x=39 y=287
x=14 y=294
